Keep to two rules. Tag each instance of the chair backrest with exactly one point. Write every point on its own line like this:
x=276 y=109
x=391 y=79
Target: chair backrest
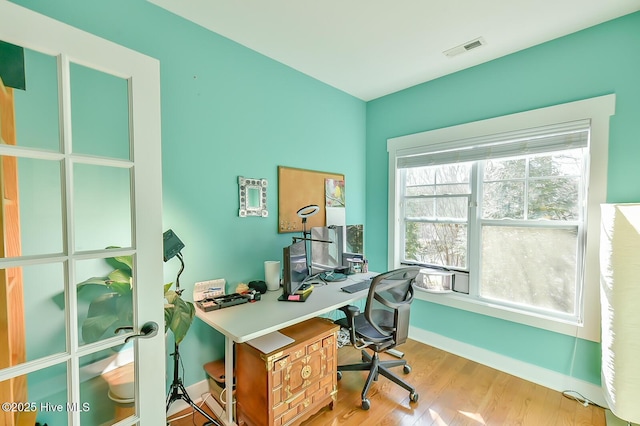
x=388 y=302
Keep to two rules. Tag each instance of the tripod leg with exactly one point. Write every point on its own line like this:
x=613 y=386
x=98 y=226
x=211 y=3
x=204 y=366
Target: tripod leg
x=179 y=392
x=185 y=396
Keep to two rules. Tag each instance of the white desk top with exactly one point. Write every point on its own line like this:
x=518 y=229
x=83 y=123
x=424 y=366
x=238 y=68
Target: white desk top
x=254 y=319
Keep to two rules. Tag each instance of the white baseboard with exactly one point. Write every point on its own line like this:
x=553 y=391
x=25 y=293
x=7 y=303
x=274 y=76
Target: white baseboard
x=533 y=373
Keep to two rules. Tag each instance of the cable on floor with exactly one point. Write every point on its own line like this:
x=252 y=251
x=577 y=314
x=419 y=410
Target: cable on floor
x=578 y=397
x=343 y=338
x=204 y=397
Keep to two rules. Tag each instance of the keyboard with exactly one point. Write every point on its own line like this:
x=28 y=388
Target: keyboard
x=359 y=286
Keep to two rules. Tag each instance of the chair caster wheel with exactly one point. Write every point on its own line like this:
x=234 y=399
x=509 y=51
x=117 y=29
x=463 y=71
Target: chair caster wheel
x=365 y=404
x=414 y=396
x=339 y=375
x=406 y=369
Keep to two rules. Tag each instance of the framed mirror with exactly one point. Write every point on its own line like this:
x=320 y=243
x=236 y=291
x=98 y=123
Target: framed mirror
x=253 y=197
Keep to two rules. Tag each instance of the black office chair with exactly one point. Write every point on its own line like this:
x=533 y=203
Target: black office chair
x=384 y=325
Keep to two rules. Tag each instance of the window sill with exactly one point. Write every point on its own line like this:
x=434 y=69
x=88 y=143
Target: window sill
x=470 y=304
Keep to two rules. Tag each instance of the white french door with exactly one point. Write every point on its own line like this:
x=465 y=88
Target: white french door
x=81 y=228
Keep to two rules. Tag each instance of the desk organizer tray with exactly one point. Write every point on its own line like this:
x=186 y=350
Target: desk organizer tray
x=220 y=302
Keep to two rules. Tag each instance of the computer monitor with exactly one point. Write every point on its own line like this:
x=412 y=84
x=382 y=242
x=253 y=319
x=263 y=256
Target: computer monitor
x=327 y=246
x=295 y=268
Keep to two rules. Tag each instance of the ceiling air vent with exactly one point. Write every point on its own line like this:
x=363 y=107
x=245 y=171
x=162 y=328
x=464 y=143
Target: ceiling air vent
x=473 y=44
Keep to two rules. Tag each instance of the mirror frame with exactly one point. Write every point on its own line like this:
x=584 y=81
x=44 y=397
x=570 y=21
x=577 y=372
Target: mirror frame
x=244 y=186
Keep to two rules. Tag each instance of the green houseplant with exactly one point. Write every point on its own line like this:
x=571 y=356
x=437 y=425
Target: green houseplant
x=114 y=308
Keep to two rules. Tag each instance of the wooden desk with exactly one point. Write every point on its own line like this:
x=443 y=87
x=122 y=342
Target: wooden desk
x=250 y=320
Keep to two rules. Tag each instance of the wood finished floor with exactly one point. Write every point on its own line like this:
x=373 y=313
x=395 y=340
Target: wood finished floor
x=453 y=391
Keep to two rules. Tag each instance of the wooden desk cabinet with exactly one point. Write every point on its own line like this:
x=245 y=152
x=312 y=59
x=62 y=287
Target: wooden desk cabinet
x=287 y=386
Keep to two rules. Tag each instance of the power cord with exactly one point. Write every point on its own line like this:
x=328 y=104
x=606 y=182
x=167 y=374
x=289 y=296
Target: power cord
x=204 y=397
x=343 y=338
x=576 y=396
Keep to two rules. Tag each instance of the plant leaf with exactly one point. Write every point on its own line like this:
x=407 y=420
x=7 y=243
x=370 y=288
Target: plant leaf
x=167 y=287
x=120 y=262
x=94 y=327
x=120 y=276
x=104 y=304
x=94 y=280
x=168 y=313
x=124 y=309
x=181 y=317
x=122 y=289
x=170 y=295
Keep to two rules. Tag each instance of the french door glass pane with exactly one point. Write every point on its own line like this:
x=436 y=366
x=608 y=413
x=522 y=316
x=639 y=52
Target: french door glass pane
x=530 y=266
x=436 y=243
x=33 y=204
x=107 y=383
x=37 y=111
x=100 y=111
x=102 y=207
x=44 y=298
x=40 y=397
x=105 y=299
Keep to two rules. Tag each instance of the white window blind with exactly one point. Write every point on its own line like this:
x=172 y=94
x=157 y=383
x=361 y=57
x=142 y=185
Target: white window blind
x=537 y=140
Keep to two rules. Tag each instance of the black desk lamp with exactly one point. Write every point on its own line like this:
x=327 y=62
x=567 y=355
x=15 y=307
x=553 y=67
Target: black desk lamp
x=172 y=247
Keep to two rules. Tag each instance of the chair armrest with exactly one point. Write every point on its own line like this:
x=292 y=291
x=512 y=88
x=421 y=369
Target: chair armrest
x=351 y=312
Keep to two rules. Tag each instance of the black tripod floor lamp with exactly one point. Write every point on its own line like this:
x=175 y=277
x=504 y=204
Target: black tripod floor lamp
x=172 y=247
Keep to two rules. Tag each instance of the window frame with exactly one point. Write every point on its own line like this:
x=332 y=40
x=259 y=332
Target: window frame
x=577 y=224
x=450 y=220
x=597 y=110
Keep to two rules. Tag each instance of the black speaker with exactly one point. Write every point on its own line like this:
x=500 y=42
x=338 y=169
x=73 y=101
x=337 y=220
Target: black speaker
x=260 y=286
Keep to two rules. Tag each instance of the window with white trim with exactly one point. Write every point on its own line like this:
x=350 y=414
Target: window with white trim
x=507 y=210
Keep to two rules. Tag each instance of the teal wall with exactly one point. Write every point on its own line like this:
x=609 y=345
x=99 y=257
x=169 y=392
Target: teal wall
x=227 y=111
x=597 y=61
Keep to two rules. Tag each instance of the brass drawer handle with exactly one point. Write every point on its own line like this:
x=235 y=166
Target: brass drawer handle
x=306 y=372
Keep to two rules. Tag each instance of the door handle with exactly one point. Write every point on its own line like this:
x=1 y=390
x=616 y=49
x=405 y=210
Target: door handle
x=148 y=330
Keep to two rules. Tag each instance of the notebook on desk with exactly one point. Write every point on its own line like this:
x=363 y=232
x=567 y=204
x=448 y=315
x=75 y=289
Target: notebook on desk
x=270 y=342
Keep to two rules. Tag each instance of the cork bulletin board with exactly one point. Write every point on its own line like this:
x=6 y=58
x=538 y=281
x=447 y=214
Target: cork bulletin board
x=298 y=188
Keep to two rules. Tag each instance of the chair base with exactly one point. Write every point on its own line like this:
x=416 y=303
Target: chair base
x=375 y=367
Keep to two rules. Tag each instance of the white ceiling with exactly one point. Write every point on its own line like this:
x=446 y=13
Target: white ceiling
x=370 y=48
